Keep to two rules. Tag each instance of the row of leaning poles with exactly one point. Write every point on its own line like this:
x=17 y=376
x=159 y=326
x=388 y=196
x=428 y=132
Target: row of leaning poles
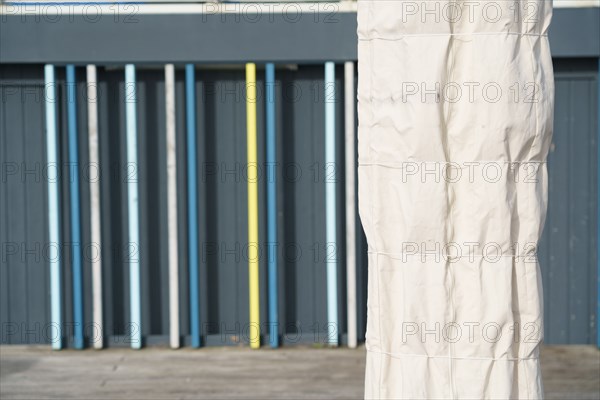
x=54 y=214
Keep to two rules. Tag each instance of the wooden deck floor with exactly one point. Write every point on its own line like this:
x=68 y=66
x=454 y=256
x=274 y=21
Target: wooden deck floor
x=570 y=372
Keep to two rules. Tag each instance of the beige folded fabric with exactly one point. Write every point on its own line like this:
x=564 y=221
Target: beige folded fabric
x=455 y=107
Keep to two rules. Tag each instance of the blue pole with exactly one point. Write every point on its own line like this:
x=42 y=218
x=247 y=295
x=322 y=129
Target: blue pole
x=53 y=206
x=190 y=94
x=330 y=209
x=133 y=208
x=75 y=214
x=272 y=205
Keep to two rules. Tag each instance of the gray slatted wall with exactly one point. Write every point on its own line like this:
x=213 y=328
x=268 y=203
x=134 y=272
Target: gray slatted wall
x=567 y=252
x=24 y=277
x=222 y=203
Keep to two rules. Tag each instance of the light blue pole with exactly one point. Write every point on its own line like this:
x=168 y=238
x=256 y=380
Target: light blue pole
x=272 y=204
x=53 y=205
x=133 y=208
x=75 y=214
x=330 y=209
x=190 y=94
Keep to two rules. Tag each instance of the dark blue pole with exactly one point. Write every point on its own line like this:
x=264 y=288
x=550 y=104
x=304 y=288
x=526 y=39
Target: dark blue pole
x=190 y=94
x=272 y=204
x=75 y=215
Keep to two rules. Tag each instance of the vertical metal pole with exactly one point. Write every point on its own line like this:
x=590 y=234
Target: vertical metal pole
x=349 y=101
x=74 y=207
x=330 y=208
x=190 y=95
x=53 y=206
x=271 y=173
x=133 y=208
x=252 y=170
x=172 y=205
x=95 y=228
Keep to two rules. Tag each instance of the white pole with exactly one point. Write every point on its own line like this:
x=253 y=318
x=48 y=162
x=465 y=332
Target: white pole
x=52 y=154
x=172 y=205
x=350 y=204
x=92 y=106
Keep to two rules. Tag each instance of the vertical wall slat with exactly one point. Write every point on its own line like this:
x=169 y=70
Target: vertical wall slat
x=598 y=209
x=579 y=227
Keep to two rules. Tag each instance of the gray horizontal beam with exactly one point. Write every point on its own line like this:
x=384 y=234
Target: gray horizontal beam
x=308 y=37
x=575 y=32
x=200 y=38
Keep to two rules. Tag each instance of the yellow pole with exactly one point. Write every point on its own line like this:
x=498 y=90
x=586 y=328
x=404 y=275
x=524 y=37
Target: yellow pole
x=254 y=329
